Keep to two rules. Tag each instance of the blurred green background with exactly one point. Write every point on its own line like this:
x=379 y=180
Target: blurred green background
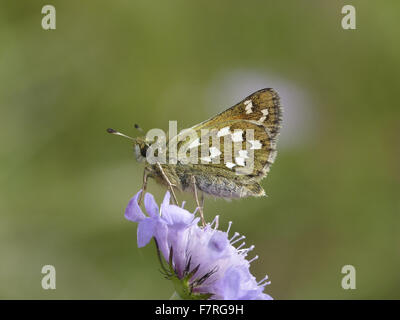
x=333 y=191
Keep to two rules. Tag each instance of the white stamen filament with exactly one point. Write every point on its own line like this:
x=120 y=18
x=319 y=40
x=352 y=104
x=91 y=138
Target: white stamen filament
x=216 y=221
x=234 y=236
x=247 y=250
x=229 y=227
x=238 y=239
x=255 y=258
x=241 y=245
x=263 y=282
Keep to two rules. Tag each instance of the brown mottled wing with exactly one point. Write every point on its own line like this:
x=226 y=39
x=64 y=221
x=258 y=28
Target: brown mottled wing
x=263 y=106
x=260 y=112
x=259 y=149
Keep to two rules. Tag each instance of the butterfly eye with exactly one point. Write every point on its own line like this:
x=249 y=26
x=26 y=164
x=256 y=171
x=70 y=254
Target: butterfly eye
x=143 y=150
x=140 y=151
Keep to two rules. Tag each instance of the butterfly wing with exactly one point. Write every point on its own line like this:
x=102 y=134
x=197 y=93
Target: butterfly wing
x=262 y=107
x=232 y=169
x=259 y=113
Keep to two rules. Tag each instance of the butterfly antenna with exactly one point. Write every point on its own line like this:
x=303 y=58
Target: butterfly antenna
x=137 y=127
x=112 y=131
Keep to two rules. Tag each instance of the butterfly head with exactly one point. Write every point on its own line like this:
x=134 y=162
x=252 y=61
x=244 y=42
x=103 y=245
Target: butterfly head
x=140 y=145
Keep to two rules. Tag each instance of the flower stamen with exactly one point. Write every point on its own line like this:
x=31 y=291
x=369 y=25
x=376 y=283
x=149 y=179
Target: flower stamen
x=216 y=221
x=234 y=236
x=238 y=239
x=229 y=228
x=263 y=282
x=251 y=260
x=241 y=245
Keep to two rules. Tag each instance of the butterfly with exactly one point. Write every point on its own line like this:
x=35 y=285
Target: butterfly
x=249 y=132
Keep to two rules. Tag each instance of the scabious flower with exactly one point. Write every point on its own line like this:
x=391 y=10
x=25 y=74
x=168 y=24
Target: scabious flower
x=202 y=262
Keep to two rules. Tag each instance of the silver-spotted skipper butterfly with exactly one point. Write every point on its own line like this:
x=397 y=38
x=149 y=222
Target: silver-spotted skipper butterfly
x=251 y=127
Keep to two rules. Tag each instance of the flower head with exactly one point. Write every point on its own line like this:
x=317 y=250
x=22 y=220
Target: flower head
x=202 y=262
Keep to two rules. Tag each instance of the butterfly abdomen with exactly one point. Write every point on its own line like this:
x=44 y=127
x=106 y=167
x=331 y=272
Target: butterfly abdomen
x=217 y=185
x=225 y=188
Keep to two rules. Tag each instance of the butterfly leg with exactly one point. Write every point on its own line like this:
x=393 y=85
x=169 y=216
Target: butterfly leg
x=170 y=185
x=200 y=207
x=144 y=185
x=202 y=199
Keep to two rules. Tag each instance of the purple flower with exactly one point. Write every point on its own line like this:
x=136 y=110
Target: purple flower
x=202 y=262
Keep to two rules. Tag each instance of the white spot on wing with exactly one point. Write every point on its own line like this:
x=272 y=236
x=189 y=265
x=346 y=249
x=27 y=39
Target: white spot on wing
x=255 y=144
x=249 y=106
x=223 y=132
x=214 y=152
x=240 y=161
x=230 y=165
x=195 y=144
x=265 y=114
x=237 y=136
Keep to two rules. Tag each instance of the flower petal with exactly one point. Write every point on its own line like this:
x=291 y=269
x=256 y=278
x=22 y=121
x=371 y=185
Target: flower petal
x=230 y=284
x=166 y=200
x=177 y=216
x=161 y=234
x=145 y=231
x=256 y=295
x=151 y=205
x=164 y=206
x=133 y=211
x=264 y=296
x=218 y=242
